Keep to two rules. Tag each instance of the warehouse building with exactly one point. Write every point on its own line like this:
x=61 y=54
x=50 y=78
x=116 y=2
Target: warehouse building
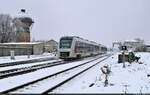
x=21 y=48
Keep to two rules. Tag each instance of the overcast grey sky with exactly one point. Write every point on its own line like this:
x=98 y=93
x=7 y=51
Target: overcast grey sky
x=102 y=21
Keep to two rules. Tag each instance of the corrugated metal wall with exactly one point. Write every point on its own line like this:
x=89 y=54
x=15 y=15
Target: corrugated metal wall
x=21 y=49
x=18 y=51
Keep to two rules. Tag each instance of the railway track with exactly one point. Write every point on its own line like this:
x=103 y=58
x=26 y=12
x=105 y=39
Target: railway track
x=25 y=62
x=64 y=80
x=23 y=70
x=19 y=71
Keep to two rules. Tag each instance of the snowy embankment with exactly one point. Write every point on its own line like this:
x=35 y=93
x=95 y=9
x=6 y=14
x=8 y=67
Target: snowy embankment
x=14 y=81
x=28 y=65
x=7 y=59
x=44 y=85
x=134 y=78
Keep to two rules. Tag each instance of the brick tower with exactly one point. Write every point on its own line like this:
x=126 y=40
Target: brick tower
x=28 y=24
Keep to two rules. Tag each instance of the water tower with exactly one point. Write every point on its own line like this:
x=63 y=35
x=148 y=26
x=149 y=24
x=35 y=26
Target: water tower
x=28 y=21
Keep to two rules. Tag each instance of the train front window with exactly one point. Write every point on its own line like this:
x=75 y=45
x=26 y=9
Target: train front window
x=65 y=43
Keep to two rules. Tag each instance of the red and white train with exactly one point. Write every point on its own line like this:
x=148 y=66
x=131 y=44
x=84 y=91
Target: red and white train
x=75 y=47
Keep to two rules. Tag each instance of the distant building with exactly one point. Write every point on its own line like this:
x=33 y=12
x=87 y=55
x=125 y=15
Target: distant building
x=148 y=48
x=50 y=45
x=21 y=48
x=147 y=45
x=133 y=45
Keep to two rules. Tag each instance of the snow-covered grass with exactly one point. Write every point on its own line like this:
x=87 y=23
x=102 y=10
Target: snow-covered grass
x=132 y=79
x=7 y=59
x=14 y=81
x=42 y=86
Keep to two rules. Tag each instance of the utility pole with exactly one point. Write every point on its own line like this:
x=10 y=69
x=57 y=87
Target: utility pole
x=124 y=48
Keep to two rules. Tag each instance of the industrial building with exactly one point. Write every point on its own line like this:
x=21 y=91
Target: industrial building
x=21 y=48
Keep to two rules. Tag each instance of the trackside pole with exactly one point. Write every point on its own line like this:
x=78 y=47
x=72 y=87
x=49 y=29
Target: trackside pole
x=12 y=55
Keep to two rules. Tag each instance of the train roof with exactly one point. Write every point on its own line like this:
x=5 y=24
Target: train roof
x=83 y=40
x=71 y=37
x=78 y=38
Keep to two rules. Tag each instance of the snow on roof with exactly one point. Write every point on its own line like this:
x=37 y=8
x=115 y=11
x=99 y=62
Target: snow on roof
x=20 y=43
x=130 y=41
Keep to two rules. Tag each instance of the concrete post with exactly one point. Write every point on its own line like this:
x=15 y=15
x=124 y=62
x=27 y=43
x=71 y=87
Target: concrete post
x=12 y=55
x=28 y=52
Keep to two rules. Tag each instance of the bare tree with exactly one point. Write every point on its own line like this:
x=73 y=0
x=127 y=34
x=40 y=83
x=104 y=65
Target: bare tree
x=5 y=27
x=11 y=30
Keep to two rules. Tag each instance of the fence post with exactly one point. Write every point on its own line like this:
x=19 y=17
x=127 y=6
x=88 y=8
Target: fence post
x=28 y=53
x=12 y=55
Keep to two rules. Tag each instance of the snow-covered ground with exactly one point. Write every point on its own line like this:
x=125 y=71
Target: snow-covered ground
x=27 y=65
x=42 y=86
x=14 y=81
x=132 y=79
x=7 y=59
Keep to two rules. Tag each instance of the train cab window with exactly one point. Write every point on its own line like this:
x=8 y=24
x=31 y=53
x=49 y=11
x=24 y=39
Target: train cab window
x=65 y=42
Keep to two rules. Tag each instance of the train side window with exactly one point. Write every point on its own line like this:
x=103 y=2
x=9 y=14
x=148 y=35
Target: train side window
x=88 y=46
x=81 y=47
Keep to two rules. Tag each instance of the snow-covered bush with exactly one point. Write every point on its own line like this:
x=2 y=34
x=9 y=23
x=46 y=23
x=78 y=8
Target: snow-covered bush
x=106 y=70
